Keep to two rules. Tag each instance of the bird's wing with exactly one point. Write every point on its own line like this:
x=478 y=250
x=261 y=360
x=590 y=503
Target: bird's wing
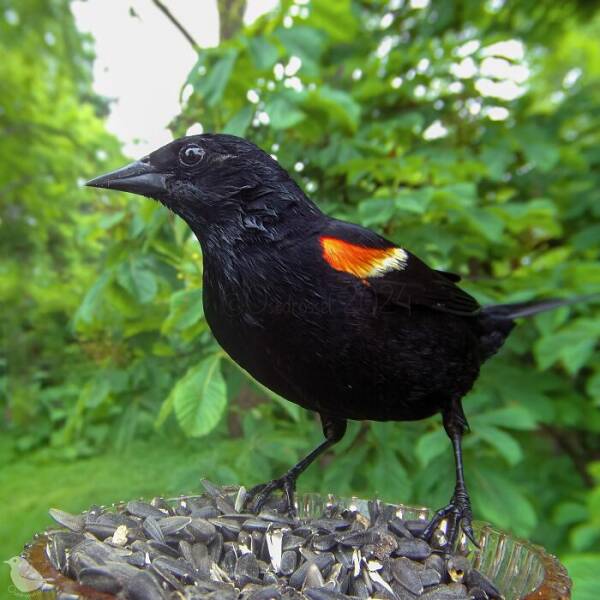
x=397 y=276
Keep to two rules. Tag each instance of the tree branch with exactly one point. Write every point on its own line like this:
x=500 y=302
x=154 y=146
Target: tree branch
x=186 y=34
x=231 y=17
x=570 y=446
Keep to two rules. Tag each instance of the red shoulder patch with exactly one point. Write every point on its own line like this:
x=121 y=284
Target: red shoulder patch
x=361 y=261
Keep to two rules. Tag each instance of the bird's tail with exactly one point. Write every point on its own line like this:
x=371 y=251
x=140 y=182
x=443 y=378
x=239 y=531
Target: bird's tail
x=498 y=320
x=533 y=307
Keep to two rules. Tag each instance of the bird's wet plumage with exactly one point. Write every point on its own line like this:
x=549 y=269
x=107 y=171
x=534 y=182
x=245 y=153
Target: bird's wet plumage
x=328 y=314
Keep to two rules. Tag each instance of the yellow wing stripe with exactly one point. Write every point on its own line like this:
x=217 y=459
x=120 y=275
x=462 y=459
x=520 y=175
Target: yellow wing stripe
x=361 y=261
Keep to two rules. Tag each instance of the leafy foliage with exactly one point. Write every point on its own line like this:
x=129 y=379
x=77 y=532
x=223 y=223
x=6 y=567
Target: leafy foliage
x=466 y=131
x=52 y=139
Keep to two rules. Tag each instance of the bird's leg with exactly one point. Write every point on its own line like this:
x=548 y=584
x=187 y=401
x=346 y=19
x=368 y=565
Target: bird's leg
x=334 y=430
x=458 y=511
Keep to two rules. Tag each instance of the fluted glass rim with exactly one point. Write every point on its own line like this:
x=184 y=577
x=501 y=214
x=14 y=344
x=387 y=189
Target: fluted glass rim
x=544 y=579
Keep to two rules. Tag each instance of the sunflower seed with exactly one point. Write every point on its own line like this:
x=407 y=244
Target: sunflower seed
x=165 y=574
x=143 y=510
x=228 y=562
x=331 y=525
x=359 y=588
x=255 y=525
x=102 y=531
x=136 y=559
x=324 y=542
x=269 y=593
x=476 y=579
x=72 y=522
x=177 y=567
x=436 y=562
x=325 y=594
x=99 y=578
x=56 y=553
x=246 y=570
x=289 y=560
x=203 y=547
x=322 y=562
x=216 y=548
x=291 y=541
x=170 y=525
x=446 y=592
x=202 y=530
x=357 y=539
x=430 y=577
x=405 y=574
x=162 y=505
x=398 y=527
x=414 y=549
x=201 y=560
x=160 y=548
x=205 y=512
x=314 y=578
x=152 y=529
x=144 y=586
x=274 y=541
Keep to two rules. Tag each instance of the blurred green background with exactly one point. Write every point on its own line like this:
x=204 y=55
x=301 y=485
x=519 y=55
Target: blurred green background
x=468 y=131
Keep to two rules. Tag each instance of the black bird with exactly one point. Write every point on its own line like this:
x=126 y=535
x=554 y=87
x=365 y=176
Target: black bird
x=328 y=314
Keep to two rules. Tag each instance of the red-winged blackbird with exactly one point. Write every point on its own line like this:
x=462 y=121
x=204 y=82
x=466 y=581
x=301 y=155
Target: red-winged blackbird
x=327 y=314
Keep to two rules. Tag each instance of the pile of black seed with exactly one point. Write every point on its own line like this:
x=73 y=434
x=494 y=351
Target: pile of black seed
x=204 y=547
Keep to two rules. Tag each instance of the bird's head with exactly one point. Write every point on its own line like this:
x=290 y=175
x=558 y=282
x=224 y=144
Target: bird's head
x=214 y=181
x=13 y=562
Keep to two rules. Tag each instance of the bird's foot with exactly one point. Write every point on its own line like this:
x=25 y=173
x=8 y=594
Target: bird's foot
x=258 y=495
x=459 y=516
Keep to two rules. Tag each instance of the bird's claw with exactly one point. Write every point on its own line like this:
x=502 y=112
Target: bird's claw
x=258 y=495
x=459 y=515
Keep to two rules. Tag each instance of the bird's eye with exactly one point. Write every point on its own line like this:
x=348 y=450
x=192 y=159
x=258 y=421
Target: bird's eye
x=191 y=155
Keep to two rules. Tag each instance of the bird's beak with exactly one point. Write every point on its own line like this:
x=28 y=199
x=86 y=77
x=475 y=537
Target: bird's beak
x=138 y=177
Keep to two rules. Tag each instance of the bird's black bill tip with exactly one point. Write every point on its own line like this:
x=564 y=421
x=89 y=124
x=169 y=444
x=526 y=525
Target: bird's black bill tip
x=138 y=177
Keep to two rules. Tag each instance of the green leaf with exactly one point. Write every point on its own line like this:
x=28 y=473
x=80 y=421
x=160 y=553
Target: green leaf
x=95 y=392
x=509 y=417
x=389 y=488
x=505 y=444
x=212 y=86
x=493 y=493
x=414 y=201
x=304 y=42
x=335 y=18
x=283 y=113
x=376 y=211
x=569 y=513
x=339 y=106
x=431 y=445
x=573 y=345
x=497 y=159
x=239 y=123
x=486 y=223
x=585 y=536
x=136 y=278
x=539 y=146
x=93 y=299
x=593 y=387
x=185 y=310
x=200 y=397
x=583 y=570
x=166 y=408
x=264 y=54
